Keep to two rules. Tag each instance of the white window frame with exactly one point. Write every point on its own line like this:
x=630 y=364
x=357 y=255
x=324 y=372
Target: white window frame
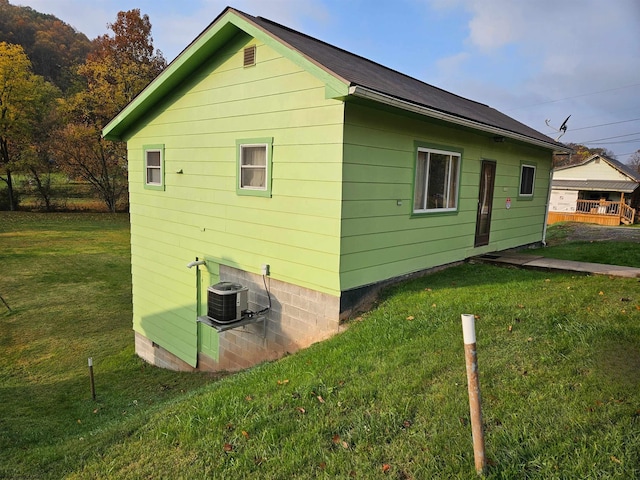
x=244 y=167
x=452 y=181
x=159 y=149
x=522 y=178
x=263 y=190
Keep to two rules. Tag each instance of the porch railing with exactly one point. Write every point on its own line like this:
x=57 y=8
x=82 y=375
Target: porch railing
x=604 y=207
x=628 y=214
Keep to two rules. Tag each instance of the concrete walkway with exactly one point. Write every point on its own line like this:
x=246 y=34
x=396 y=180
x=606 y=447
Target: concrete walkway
x=535 y=261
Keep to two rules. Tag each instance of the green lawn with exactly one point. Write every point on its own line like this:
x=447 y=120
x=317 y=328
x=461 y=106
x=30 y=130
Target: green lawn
x=67 y=280
x=559 y=361
x=614 y=253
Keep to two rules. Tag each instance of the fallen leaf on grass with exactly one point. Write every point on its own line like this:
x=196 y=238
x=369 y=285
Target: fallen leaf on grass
x=320 y=399
x=338 y=441
x=614 y=459
x=427 y=289
x=227 y=447
x=600 y=292
x=386 y=467
x=283 y=382
x=248 y=398
x=410 y=317
x=301 y=410
x=245 y=434
x=510 y=328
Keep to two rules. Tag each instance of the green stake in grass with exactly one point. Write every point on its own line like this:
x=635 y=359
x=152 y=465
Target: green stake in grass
x=93 y=385
x=475 y=407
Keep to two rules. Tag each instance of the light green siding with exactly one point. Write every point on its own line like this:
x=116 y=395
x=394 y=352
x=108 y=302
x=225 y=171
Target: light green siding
x=296 y=231
x=380 y=236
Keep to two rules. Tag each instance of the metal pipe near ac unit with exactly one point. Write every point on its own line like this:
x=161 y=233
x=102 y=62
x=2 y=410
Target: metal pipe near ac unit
x=196 y=262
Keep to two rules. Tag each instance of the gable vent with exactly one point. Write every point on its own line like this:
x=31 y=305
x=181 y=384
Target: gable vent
x=250 y=56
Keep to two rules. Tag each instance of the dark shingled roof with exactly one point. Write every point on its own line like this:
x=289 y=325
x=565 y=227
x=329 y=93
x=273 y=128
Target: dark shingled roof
x=359 y=71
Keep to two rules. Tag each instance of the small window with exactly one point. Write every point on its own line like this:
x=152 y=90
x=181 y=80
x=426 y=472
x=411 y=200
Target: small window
x=154 y=167
x=254 y=167
x=436 y=181
x=527 y=180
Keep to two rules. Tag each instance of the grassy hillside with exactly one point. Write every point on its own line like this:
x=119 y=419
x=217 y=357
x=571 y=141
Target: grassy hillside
x=559 y=359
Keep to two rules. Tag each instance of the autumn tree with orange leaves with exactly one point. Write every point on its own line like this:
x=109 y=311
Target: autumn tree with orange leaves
x=117 y=69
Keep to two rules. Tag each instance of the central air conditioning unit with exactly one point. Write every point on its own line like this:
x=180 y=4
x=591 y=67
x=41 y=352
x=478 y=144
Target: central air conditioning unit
x=226 y=302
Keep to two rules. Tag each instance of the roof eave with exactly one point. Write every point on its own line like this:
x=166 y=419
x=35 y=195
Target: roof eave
x=366 y=93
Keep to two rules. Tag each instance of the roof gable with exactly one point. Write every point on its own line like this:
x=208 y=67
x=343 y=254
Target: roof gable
x=619 y=167
x=342 y=72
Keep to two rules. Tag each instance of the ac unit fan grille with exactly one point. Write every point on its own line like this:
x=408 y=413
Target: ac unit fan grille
x=226 y=302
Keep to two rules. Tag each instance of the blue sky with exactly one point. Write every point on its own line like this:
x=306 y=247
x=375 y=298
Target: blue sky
x=534 y=60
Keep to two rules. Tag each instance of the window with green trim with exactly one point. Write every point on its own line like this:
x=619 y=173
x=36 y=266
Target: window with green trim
x=436 y=181
x=527 y=180
x=254 y=166
x=154 y=167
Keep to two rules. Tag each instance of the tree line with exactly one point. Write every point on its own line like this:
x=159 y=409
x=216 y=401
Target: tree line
x=51 y=121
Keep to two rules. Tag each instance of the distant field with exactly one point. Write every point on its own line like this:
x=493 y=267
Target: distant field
x=68 y=195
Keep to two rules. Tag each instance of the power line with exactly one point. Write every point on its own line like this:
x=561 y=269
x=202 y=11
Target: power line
x=635 y=140
x=611 y=138
x=604 y=124
x=575 y=96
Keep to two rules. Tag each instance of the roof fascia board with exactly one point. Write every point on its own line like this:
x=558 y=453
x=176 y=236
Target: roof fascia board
x=363 y=92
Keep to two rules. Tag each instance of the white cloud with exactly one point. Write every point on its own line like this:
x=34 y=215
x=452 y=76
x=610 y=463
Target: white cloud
x=452 y=65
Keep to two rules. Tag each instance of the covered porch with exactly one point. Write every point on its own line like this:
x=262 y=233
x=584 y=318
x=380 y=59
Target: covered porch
x=588 y=201
x=602 y=212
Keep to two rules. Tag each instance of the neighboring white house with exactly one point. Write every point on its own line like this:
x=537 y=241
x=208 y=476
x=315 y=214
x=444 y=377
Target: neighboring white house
x=598 y=190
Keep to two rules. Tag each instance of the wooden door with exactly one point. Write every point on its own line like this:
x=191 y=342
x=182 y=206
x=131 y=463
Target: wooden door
x=485 y=202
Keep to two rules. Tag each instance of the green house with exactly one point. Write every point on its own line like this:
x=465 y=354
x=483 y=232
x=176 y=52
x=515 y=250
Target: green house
x=309 y=176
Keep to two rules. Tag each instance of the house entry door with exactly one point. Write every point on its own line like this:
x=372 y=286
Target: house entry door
x=485 y=201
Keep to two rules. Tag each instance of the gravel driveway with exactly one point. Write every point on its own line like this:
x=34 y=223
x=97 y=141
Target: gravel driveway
x=594 y=232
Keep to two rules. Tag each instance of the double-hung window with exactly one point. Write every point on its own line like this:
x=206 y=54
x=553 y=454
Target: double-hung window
x=254 y=167
x=154 y=167
x=436 y=181
x=527 y=180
